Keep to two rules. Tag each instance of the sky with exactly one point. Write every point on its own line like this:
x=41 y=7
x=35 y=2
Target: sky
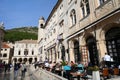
x=20 y=13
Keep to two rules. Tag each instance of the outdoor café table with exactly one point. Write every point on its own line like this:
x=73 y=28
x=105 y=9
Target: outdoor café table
x=76 y=74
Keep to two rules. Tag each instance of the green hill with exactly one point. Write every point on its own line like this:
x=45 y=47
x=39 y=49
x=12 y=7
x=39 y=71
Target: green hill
x=21 y=33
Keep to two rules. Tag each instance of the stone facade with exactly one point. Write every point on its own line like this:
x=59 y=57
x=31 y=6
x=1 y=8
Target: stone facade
x=5 y=53
x=25 y=50
x=81 y=30
x=1 y=37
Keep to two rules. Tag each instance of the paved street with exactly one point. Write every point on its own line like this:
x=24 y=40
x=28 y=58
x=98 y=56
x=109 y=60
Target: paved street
x=30 y=75
x=10 y=76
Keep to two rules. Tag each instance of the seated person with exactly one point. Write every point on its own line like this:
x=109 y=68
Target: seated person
x=67 y=70
x=80 y=67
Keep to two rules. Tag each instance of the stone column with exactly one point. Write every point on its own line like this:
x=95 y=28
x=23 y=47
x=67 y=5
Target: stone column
x=102 y=48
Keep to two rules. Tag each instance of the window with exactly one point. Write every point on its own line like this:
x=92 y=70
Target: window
x=84 y=4
x=25 y=52
x=102 y=1
x=32 y=52
x=5 y=55
x=18 y=52
x=61 y=9
x=61 y=23
x=5 y=49
x=73 y=17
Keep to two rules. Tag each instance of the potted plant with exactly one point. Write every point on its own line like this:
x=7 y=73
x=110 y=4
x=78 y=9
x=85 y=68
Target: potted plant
x=63 y=63
x=95 y=72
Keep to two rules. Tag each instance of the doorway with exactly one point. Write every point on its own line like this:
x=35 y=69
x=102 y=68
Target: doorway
x=112 y=37
x=76 y=51
x=92 y=49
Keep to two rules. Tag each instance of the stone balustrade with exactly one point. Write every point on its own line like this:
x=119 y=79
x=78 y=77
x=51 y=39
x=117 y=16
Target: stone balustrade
x=41 y=74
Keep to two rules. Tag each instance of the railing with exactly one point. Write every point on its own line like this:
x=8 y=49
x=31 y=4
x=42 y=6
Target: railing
x=41 y=74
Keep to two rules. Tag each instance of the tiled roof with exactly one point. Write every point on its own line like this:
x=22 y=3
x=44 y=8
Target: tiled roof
x=4 y=45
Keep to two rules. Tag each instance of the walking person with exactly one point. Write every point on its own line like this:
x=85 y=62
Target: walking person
x=23 y=69
x=107 y=60
x=15 y=71
x=6 y=67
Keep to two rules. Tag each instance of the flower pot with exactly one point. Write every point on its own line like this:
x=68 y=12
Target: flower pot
x=89 y=72
x=96 y=75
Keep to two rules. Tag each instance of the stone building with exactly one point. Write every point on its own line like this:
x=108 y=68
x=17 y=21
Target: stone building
x=2 y=32
x=81 y=30
x=5 y=53
x=25 y=51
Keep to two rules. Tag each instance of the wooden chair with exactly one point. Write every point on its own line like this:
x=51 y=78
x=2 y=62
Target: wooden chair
x=116 y=71
x=105 y=73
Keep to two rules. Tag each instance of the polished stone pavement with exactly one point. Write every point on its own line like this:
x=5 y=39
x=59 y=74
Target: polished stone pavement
x=10 y=76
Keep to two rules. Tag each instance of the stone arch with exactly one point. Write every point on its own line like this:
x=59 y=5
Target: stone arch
x=30 y=60
x=92 y=49
x=77 y=54
x=25 y=60
x=20 y=59
x=84 y=37
x=15 y=59
x=106 y=28
x=112 y=37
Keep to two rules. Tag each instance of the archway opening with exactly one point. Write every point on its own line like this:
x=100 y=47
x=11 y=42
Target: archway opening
x=25 y=59
x=77 y=55
x=30 y=60
x=92 y=48
x=20 y=60
x=15 y=59
x=112 y=37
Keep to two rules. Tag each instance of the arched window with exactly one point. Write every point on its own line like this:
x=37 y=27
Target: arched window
x=32 y=52
x=15 y=59
x=84 y=4
x=4 y=55
x=26 y=52
x=102 y=1
x=19 y=52
x=20 y=59
x=73 y=17
x=112 y=37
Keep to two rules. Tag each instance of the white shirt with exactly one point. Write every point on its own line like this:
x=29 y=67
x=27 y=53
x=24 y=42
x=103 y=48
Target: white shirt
x=107 y=58
x=47 y=64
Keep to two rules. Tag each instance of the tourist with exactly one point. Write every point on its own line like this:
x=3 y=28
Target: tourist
x=67 y=70
x=58 y=68
x=23 y=69
x=107 y=60
x=80 y=67
x=16 y=70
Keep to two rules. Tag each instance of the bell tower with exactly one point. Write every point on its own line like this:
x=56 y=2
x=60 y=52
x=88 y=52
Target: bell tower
x=41 y=26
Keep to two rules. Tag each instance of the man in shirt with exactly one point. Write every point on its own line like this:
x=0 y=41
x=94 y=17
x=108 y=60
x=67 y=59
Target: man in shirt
x=107 y=60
